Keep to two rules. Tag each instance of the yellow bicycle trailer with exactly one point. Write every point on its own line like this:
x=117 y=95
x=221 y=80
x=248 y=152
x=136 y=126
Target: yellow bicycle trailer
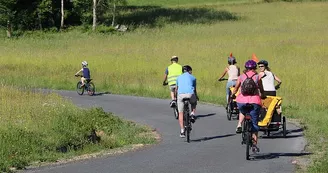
x=270 y=119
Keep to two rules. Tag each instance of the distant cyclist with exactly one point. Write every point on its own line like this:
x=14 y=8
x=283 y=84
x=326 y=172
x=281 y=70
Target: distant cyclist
x=85 y=72
x=249 y=93
x=233 y=72
x=186 y=88
x=268 y=79
x=171 y=73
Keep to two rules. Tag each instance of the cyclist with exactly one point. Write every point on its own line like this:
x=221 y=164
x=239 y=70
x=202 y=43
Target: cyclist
x=85 y=72
x=170 y=77
x=233 y=73
x=186 y=88
x=268 y=79
x=254 y=99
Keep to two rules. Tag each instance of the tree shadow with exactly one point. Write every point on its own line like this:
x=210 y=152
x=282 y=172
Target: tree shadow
x=156 y=16
x=101 y=93
x=205 y=115
x=267 y=156
x=212 y=137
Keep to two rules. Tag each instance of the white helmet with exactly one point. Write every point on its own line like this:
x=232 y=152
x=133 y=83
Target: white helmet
x=84 y=63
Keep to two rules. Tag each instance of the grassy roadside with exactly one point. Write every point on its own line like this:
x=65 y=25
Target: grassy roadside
x=291 y=36
x=38 y=128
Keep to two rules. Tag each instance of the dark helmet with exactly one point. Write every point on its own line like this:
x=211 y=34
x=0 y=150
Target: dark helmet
x=175 y=58
x=231 y=60
x=250 y=64
x=264 y=62
x=186 y=68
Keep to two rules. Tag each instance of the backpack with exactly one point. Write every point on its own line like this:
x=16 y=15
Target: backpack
x=249 y=87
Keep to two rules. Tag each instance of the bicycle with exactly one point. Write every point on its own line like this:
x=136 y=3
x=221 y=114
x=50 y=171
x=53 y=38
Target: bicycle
x=246 y=134
x=186 y=118
x=232 y=108
x=88 y=86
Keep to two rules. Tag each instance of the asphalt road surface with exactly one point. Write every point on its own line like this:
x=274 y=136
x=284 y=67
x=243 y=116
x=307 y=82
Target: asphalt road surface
x=214 y=146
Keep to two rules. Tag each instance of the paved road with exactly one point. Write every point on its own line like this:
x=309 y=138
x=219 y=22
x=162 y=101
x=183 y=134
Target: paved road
x=214 y=148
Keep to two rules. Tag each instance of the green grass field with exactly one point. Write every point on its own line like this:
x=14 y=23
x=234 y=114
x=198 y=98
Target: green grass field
x=38 y=127
x=291 y=36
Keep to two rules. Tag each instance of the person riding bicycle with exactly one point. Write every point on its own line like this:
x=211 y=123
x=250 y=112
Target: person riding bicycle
x=171 y=73
x=250 y=85
x=85 y=72
x=186 y=88
x=233 y=73
x=268 y=79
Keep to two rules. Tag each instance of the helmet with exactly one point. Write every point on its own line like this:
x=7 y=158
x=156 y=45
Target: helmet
x=250 y=64
x=186 y=68
x=175 y=58
x=264 y=62
x=231 y=59
x=84 y=63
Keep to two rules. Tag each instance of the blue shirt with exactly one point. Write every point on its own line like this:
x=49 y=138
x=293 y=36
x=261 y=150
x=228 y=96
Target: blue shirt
x=86 y=73
x=186 y=83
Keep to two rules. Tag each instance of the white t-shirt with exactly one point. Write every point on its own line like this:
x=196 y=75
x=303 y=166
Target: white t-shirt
x=268 y=81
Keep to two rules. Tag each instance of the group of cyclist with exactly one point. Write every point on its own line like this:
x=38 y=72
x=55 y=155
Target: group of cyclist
x=182 y=84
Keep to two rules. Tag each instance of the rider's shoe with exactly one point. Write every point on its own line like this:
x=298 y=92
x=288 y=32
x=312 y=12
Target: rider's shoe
x=192 y=118
x=255 y=149
x=173 y=104
x=238 y=130
x=182 y=135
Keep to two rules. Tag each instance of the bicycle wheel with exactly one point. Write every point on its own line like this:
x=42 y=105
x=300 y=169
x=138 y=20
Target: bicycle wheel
x=187 y=121
x=229 y=112
x=79 y=89
x=243 y=132
x=248 y=144
x=176 y=113
x=91 y=89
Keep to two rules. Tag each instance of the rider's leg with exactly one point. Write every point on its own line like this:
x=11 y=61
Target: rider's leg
x=241 y=117
x=82 y=80
x=180 y=109
x=255 y=128
x=173 y=97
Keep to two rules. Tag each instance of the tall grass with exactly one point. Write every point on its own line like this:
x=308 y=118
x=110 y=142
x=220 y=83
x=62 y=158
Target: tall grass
x=39 y=127
x=291 y=36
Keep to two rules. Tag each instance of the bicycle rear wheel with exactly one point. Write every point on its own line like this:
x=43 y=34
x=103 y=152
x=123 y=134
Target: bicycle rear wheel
x=176 y=113
x=91 y=89
x=248 y=143
x=229 y=112
x=79 y=89
x=187 y=123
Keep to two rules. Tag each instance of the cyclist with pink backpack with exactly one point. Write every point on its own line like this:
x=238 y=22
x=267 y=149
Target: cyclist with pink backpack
x=250 y=92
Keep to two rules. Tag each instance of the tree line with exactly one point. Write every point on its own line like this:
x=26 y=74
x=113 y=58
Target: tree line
x=44 y=14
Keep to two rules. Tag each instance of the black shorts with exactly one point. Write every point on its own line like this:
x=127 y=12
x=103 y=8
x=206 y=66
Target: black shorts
x=269 y=93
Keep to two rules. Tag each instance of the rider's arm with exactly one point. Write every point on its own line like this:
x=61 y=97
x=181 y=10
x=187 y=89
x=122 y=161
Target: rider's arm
x=277 y=79
x=165 y=75
x=79 y=71
x=224 y=73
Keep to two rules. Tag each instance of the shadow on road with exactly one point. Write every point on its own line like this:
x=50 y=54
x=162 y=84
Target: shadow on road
x=266 y=156
x=205 y=115
x=102 y=93
x=212 y=137
x=290 y=134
